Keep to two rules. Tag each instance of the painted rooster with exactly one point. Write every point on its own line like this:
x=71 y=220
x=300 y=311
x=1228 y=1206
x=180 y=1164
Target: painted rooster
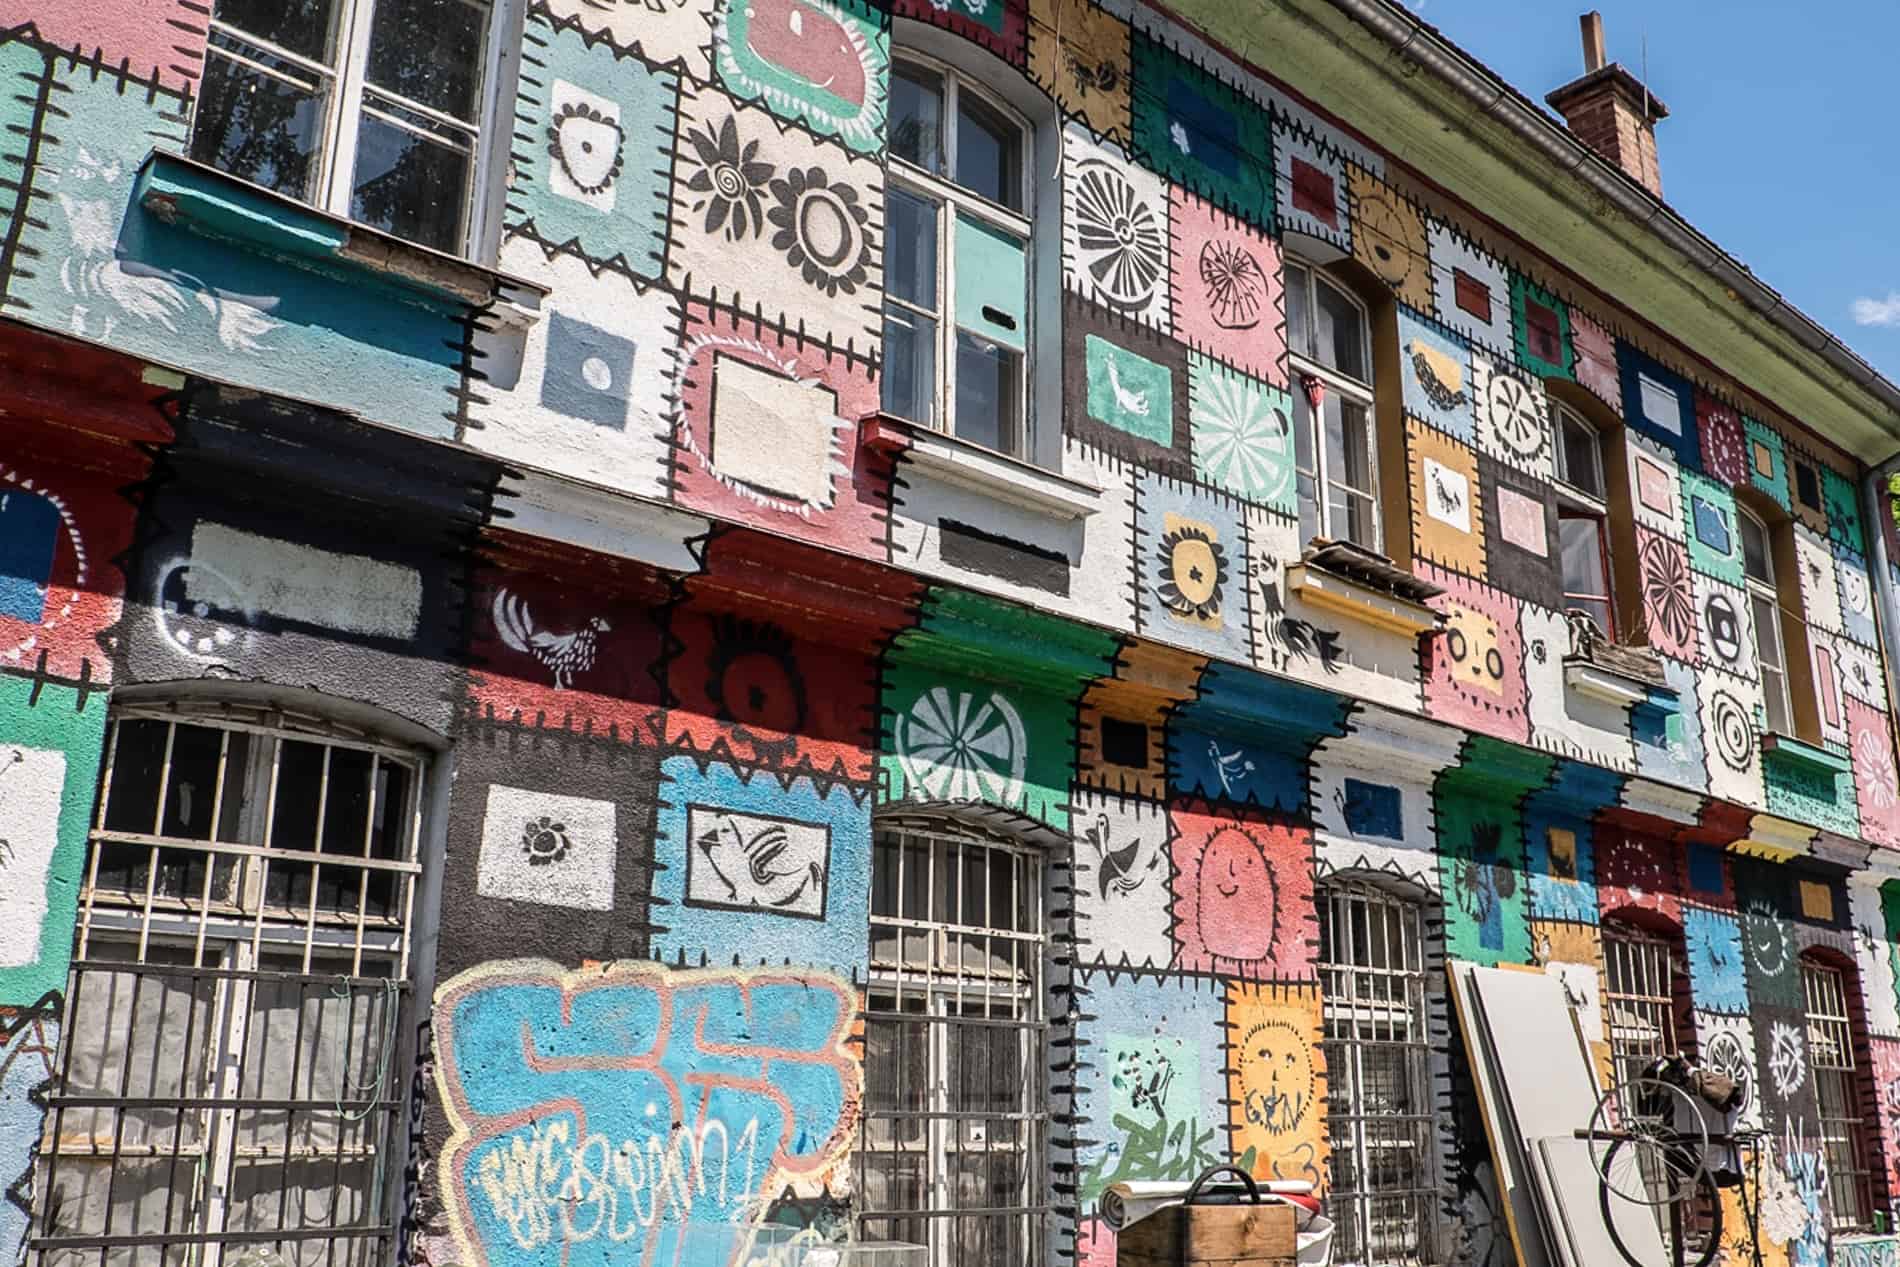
x=565 y=654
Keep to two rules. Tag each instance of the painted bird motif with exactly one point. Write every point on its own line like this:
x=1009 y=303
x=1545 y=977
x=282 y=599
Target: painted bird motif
x=1130 y=402
x=765 y=863
x=565 y=654
x=1300 y=638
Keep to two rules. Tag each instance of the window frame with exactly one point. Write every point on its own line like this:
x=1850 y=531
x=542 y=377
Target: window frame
x=1360 y=393
x=1850 y=1170
x=1344 y=1003
x=953 y=200
x=1576 y=503
x=941 y=988
x=1764 y=592
x=343 y=87
x=1650 y=996
x=241 y=956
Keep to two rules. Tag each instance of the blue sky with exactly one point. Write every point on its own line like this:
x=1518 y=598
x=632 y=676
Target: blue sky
x=1780 y=139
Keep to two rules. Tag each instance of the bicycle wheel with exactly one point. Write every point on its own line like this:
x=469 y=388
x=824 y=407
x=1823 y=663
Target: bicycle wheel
x=1648 y=1142
x=1700 y=1229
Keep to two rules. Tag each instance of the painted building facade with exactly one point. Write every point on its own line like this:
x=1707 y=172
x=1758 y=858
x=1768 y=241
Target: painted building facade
x=897 y=616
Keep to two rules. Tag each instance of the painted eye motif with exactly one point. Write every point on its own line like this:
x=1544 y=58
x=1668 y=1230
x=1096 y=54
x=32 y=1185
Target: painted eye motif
x=586 y=143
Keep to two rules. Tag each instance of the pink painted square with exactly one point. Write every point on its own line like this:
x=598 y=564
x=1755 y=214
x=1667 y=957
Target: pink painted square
x=1596 y=360
x=1474 y=667
x=1724 y=456
x=1876 y=780
x=1224 y=282
x=1243 y=894
x=1521 y=522
x=1884 y=1056
x=1655 y=486
x=1094 y=1244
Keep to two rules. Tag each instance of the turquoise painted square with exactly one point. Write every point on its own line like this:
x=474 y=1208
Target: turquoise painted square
x=1242 y=434
x=823 y=63
x=1129 y=392
x=1201 y=133
x=598 y=147
x=1761 y=440
x=1435 y=370
x=1524 y=293
x=1708 y=511
x=1807 y=796
x=1843 y=511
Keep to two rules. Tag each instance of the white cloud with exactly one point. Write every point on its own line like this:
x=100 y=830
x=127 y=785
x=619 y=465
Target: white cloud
x=1878 y=312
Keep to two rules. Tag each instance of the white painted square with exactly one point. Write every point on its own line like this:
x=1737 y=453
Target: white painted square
x=547 y=849
x=1661 y=405
x=1583 y=994
x=1655 y=485
x=1447 y=495
x=287 y=580
x=1451 y=254
x=1820 y=581
x=592 y=126
x=756 y=862
x=31 y=781
x=773 y=433
x=1122 y=878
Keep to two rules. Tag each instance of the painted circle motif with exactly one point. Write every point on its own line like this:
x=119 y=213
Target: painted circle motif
x=200 y=613
x=544 y=840
x=1725 y=1056
x=1274 y=1067
x=1515 y=418
x=1875 y=758
x=1766 y=938
x=1238 y=906
x=1120 y=241
x=1236 y=288
x=1666 y=590
x=1193 y=573
x=821 y=227
x=962 y=746
x=587 y=145
x=1724 y=624
x=1383 y=229
x=1734 y=730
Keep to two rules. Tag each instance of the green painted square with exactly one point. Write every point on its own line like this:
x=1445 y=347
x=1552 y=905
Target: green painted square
x=1242 y=434
x=1481 y=864
x=1762 y=447
x=1708 y=520
x=953 y=738
x=1812 y=796
x=1202 y=133
x=1842 y=502
x=1129 y=392
x=1526 y=295
x=992 y=283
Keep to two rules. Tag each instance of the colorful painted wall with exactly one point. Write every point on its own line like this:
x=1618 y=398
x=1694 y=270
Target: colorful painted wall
x=242 y=470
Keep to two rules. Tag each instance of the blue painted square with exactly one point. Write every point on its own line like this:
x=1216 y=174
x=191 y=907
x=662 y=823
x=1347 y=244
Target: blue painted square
x=29 y=533
x=1717 y=977
x=1711 y=527
x=1202 y=130
x=1562 y=887
x=588 y=373
x=1660 y=404
x=1705 y=870
x=1435 y=368
x=1373 y=809
x=1226 y=768
x=1857 y=595
x=1668 y=731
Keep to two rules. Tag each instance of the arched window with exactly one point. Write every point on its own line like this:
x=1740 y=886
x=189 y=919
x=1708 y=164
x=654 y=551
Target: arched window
x=1379 y=1097
x=229 y=1069
x=1330 y=346
x=956 y=1108
x=1764 y=600
x=1828 y=990
x=1583 y=517
x=1641 y=997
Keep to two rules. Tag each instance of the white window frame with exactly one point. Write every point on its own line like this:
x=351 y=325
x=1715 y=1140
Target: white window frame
x=343 y=87
x=1843 y=1116
x=240 y=955
x=1576 y=502
x=1372 y=1006
x=945 y=992
x=1359 y=393
x=953 y=200
x=1771 y=649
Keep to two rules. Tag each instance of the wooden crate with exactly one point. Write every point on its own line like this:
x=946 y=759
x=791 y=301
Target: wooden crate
x=1243 y=1235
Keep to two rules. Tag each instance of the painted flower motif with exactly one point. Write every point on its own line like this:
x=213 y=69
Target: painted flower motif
x=821 y=228
x=732 y=180
x=1236 y=288
x=1193 y=573
x=544 y=841
x=588 y=145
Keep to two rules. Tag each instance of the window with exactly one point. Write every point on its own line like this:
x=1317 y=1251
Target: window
x=1758 y=564
x=370 y=109
x=1639 y=1000
x=1583 y=525
x=1836 y=1088
x=1332 y=402
x=1379 y=1114
x=228 y=1071
x=957 y=215
x=955 y=1109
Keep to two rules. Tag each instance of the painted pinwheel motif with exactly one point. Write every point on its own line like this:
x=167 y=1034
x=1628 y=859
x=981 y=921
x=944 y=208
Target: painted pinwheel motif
x=821 y=227
x=1242 y=437
x=1121 y=242
x=963 y=746
x=730 y=180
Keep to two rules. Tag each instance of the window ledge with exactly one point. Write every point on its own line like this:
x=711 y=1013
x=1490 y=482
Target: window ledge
x=1599 y=682
x=981 y=470
x=1365 y=587
x=196 y=196
x=1777 y=748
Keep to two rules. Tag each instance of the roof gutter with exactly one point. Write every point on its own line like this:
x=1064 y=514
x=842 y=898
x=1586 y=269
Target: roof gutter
x=1411 y=38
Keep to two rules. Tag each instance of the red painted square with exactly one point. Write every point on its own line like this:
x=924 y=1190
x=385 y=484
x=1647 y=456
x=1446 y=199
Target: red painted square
x=1471 y=295
x=1314 y=193
x=1543 y=332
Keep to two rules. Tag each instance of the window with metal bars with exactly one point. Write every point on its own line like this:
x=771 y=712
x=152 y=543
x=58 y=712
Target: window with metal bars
x=1639 y=999
x=1837 y=1089
x=951 y=1151
x=1379 y=1101
x=228 y=1078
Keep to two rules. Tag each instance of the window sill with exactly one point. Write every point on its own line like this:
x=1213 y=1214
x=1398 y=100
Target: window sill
x=198 y=197
x=1365 y=587
x=981 y=470
x=1780 y=749
x=1607 y=685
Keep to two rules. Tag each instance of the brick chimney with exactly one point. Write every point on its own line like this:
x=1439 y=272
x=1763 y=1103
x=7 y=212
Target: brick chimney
x=1611 y=110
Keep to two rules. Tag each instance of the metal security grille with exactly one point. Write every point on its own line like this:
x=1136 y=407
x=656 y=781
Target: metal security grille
x=955 y=1106
x=1831 y=1052
x=226 y=1081
x=1372 y=976
x=1638 y=1000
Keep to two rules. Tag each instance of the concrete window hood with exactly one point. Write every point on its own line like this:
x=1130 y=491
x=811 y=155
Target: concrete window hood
x=1365 y=587
x=198 y=197
x=980 y=470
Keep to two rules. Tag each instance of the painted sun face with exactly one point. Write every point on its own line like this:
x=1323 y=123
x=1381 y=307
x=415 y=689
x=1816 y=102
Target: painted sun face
x=1238 y=897
x=1276 y=1077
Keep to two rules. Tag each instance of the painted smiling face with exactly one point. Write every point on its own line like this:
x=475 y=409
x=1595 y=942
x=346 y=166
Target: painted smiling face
x=803 y=40
x=1238 y=903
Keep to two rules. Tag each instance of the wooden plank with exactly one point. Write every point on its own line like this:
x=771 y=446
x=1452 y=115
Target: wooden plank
x=1242 y=1235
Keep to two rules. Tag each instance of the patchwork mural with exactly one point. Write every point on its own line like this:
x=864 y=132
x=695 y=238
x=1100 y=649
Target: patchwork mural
x=613 y=515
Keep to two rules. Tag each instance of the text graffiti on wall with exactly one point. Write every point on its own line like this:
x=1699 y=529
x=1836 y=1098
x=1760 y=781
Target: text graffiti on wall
x=636 y=1114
